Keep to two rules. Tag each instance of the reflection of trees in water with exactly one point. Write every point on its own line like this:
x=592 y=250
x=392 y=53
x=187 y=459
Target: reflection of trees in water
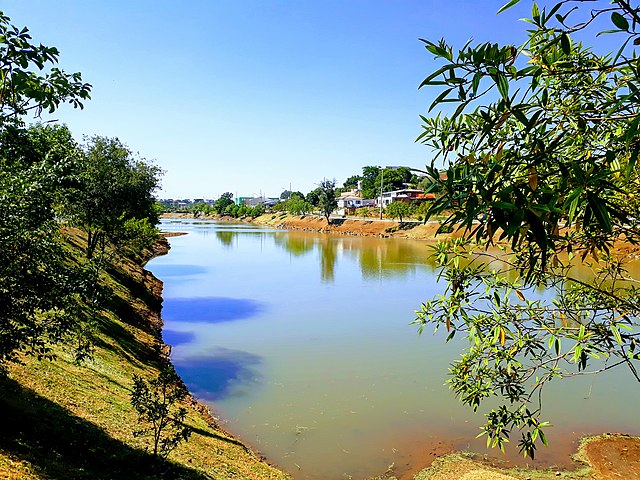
x=226 y=237
x=301 y=243
x=378 y=258
x=389 y=258
x=295 y=243
x=328 y=257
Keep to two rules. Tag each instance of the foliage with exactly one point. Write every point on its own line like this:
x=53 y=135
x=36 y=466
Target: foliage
x=156 y=402
x=257 y=210
x=352 y=182
x=327 y=202
x=37 y=286
x=366 y=212
x=285 y=195
x=297 y=206
x=22 y=90
x=112 y=188
x=313 y=197
x=369 y=176
x=398 y=210
x=221 y=204
x=541 y=151
x=392 y=179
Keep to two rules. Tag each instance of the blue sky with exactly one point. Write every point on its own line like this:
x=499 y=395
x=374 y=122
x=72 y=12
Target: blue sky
x=251 y=96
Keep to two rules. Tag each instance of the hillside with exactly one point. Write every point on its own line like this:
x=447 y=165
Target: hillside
x=67 y=420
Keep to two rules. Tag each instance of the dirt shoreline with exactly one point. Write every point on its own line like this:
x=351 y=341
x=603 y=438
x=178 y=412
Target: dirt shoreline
x=608 y=456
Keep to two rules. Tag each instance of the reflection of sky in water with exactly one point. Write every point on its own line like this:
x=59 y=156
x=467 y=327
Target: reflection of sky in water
x=225 y=373
x=177 y=270
x=209 y=309
x=174 y=338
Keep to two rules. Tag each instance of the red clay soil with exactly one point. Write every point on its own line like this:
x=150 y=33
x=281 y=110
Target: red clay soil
x=616 y=457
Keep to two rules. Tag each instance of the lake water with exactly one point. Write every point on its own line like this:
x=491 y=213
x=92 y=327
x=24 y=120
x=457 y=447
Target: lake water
x=301 y=344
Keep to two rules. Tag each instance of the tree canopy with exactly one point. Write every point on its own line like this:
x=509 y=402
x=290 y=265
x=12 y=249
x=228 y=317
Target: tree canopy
x=540 y=148
x=113 y=188
x=37 y=285
x=327 y=202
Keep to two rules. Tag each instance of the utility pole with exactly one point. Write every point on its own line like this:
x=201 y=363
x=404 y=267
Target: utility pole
x=381 y=183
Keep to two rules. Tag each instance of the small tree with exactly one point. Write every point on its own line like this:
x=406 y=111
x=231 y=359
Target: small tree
x=112 y=187
x=398 y=210
x=161 y=418
x=327 y=198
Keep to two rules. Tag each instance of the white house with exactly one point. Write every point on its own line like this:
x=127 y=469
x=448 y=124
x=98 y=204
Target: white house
x=407 y=195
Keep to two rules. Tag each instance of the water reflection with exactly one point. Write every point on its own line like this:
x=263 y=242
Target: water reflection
x=225 y=373
x=226 y=237
x=178 y=270
x=210 y=309
x=328 y=257
x=175 y=338
x=377 y=259
x=296 y=245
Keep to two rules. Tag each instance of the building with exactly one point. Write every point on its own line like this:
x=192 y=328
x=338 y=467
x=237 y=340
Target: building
x=348 y=203
x=406 y=195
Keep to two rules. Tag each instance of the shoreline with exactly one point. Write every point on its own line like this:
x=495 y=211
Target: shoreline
x=590 y=461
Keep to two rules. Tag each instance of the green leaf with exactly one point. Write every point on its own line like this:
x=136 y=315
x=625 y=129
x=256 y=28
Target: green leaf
x=619 y=21
x=565 y=43
x=503 y=85
x=508 y=5
x=573 y=200
x=475 y=83
x=440 y=98
x=616 y=333
x=600 y=211
x=535 y=11
x=429 y=79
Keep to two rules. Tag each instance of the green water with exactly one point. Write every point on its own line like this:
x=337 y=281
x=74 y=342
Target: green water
x=302 y=345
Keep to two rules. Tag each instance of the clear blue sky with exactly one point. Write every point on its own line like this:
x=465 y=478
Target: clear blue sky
x=247 y=95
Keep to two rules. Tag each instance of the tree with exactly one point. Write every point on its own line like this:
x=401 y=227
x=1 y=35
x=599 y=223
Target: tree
x=285 y=195
x=398 y=210
x=221 y=204
x=352 y=182
x=37 y=284
x=157 y=403
x=369 y=176
x=541 y=152
x=327 y=198
x=297 y=206
x=313 y=197
x=394 y=179
x=113 y=187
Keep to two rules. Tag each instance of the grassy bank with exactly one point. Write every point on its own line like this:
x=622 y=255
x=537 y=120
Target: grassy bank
x=67 y=420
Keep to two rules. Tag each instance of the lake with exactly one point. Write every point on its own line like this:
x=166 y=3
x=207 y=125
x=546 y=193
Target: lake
x=301 y=344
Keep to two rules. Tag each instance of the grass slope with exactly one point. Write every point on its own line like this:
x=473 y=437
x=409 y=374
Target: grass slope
x=61 y=420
